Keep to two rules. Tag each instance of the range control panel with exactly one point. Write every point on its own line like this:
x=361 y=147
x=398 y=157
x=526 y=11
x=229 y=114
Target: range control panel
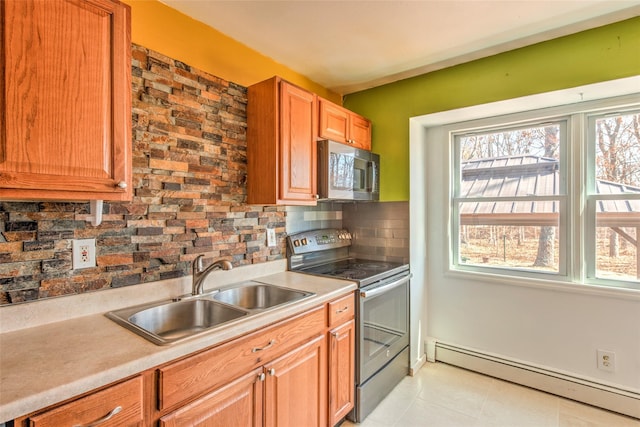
x=318 y=240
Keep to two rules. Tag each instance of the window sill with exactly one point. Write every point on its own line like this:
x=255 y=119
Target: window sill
x=553 y=285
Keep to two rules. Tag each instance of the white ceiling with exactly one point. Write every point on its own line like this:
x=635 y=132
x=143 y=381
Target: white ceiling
x=352 y=45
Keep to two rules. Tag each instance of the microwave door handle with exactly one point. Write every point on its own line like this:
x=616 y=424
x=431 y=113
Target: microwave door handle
x=382 y=289
x=373 y=175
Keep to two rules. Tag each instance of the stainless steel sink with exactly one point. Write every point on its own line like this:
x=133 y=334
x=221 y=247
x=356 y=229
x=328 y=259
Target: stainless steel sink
x=258 y=296
x=168 y=322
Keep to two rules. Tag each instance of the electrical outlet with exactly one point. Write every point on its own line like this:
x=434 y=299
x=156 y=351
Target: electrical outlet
x=606 y=360
x=84 y=253
x=271 y=237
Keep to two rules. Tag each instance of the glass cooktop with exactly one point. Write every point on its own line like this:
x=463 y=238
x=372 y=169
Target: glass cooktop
x=357 y=269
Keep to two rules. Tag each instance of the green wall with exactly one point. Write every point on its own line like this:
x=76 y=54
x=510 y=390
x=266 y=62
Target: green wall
x=600 y=54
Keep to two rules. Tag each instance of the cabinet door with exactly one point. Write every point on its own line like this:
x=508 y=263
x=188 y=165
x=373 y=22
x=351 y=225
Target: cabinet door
x=65 y=102
x=360 y=132
x=341 y=371
x=298 y=178
x=236 y=404
x=296 y=387
x=334 y=122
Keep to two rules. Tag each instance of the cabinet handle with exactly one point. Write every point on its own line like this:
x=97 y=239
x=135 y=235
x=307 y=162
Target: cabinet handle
x=346 y=307
x=334 y=334
x=122 y=185
x=261 y=376
x=106 y=418
x=272 y=371
x=257 y=349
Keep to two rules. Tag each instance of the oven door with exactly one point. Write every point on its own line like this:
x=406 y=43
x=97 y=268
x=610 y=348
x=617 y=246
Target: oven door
x=383 y=330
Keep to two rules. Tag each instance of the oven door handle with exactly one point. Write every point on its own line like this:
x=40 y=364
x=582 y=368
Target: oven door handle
x=385 y=288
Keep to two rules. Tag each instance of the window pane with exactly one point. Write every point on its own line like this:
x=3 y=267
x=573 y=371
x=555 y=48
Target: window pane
x=512 y=162
x=617 y=229
x=618 y=151
x=492 y=236
x=617 y=172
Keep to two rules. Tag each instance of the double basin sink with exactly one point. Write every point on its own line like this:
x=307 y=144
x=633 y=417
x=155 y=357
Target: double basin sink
x=167 y=322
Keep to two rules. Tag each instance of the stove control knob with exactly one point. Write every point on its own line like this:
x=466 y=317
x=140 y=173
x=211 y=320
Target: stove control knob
x=296 y=243
x=304 y=241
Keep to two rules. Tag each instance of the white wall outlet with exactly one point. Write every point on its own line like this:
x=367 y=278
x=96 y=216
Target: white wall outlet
x=271 y=237
x=84 y=253
x=606 y=360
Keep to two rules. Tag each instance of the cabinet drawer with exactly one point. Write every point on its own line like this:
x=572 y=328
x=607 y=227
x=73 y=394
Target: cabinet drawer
x=212 y=368
x=341 y=310
x=102 y=405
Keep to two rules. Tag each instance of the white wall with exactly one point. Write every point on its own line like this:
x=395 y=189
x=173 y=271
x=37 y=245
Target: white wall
x=553 y=325
x=418 y=244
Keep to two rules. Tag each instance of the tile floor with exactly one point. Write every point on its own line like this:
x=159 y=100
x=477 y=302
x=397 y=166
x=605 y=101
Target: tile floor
x=441 y=395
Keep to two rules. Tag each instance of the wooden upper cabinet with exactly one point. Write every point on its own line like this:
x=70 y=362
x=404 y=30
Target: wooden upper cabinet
x=341 y=125
x=360 y=131
x=334 y=121
x=281 y=144
x=65 y=100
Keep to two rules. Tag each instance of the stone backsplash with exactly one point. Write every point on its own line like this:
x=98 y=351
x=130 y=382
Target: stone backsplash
x=189 y=168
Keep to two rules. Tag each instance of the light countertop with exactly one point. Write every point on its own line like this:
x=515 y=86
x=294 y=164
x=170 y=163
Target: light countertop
x=47 y=362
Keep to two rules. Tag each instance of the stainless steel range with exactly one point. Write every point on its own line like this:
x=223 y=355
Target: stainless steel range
x=382 y=310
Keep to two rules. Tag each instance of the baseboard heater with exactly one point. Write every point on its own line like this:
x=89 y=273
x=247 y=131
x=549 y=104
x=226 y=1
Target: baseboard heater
x=601 y=395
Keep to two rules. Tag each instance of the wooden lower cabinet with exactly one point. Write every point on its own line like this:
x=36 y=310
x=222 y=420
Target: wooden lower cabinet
x=296 y=387
x=289 y=392
x=342 y=362
x=341 y=371
x=239 y=403
x=297 y=372
x=118 y=405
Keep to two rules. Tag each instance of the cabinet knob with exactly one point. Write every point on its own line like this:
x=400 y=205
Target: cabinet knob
x=122 y=185
x=261 y=376
x=272 y=372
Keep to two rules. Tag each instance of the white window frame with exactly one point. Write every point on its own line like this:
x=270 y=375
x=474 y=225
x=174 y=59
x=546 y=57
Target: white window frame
x=591 y=199
x=564 y=123
x=577 y=218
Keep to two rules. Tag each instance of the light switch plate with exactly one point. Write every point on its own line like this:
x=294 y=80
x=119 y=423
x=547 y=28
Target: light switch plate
x=84 y=253
x=271 y=237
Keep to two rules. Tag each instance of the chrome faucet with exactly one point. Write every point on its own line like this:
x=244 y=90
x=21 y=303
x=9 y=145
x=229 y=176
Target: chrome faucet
x=199 y=274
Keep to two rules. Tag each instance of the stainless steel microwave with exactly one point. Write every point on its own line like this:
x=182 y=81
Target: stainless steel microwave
x=347 y=173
